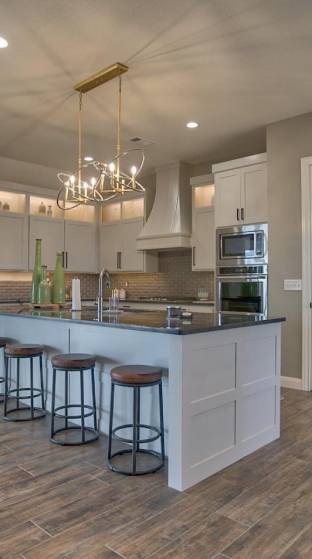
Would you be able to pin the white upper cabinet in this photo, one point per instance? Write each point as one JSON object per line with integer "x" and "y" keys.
{"x": 73, "y": 233}
{"x": 203, "y": 227}
{"x": 241, "y": 191}
{"x": 255, "y": 193}
{"x": 80, "y": 247}
{"x": 121, "y": 225}
{"x": 110, "y": 247}
{"x": 14, "y": 244}
{"x": 13, "y": 231}
{"x": 131, "y": 259}
{"x": 52, "y": 234}
{"x": 227, "y": 197}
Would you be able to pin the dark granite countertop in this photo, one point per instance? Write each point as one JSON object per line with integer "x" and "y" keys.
{"x": 150, "y": 321}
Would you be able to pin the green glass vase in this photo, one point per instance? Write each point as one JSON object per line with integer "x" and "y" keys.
{"x": 59, "y": 281}
{"x": 36, "y": 276}
{"x": 44, "y": 292}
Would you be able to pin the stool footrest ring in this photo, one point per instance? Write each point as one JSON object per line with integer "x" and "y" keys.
{"x": 74, "y": 428}
{"x": 17, "y": 419}
{"x": 59, "y": 408}
{"x": 37, "y": 392}
{"x": 137, "y": 473}
{"x": 139, "y": 426}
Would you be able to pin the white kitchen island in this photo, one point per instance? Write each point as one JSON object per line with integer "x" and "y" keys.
{"x": 221, "y": 377}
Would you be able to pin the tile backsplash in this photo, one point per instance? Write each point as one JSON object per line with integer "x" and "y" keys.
{"x": 17, "y": 287}
{"x": 174, "y": 279}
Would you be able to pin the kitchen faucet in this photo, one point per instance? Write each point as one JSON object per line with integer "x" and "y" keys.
{"x": 108, "y": 284}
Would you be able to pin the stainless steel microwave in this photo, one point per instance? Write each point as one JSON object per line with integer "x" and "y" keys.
{"x": 242, "y": 245}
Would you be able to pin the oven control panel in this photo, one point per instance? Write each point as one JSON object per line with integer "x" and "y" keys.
{"x": 242, "y": 270}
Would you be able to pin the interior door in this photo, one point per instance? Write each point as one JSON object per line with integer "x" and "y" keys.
{"x": 255, "y": 193}
{"x": 132, "y": 260}
{"x": 13, "y": 246}
{"x": 81, "y": 247}
{"x": 203, "y": 240}
{"x": 227, "y": 198}
{"x": 52, "y": 234}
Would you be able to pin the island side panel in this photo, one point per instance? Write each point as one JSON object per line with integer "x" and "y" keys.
{"x": 228, "y": 397}
{"x": 112, "y": 347}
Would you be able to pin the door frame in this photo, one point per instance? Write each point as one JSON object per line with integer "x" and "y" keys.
{"x": 306, "y": 224}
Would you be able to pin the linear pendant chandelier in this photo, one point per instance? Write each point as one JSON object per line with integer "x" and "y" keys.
{"x": 111, "y": 179}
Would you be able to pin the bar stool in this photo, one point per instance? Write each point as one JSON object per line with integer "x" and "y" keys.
{"x": 136, "y": 377}
{"x": 67, "y": 363}
{"x": 3, "y": 343}
{"x": 18, "y": 352}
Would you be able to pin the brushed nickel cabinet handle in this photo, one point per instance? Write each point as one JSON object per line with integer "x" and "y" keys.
{"x": 237, "y": 214}
{"x": 242, "y": 214}
{"x": 66, "y": 260}
{"x": 194, "y": 256}
{"x": 118, "y": 260}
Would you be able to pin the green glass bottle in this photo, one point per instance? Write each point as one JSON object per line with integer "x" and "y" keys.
{"x": 44, "y": 292}
{"x": 59, "y": 281}
{"x": 36, "y": 276}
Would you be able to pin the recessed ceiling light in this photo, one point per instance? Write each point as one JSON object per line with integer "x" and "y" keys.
{"x": 192, "y": 124}
{"x": 88, "y": 158}
{"x": 3, "y": 43}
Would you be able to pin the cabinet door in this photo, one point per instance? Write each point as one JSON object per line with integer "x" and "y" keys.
{"x": 254, "y": 193}
{"x": 227, "y": 198}
{"x": 132, "y": 260}
{"x": 52, "y": 234}
{"x": 81, "y": 247}
{"x": 13, "y": 246}
{"x": 203, "y": 240}
{"x": 110, "y": 246}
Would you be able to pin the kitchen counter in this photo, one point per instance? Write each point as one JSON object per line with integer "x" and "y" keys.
{"x": 221, "y": 384}
{"x": 151, "y": 321}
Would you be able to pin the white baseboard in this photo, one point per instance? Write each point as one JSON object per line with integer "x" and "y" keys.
{"x": 291, "y": 382}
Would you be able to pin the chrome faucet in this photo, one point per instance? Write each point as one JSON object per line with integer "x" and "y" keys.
{"x": 108, "y": 284}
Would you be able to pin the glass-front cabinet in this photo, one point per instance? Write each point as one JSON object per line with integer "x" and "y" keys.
{"x": 13, "y": 231}
{"x": 203, "y": 228}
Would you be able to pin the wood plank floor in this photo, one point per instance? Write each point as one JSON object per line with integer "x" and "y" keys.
{"x": 59, "y": 503}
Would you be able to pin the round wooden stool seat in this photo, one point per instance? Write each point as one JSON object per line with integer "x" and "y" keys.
{"x": 73, "y": 361}
{"x": 3, "y": 342}
{"x": 23, "y": 350}
{"x": 136, "y": 374}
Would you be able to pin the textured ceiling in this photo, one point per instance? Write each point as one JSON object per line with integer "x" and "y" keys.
{"x": 233, "y": 65}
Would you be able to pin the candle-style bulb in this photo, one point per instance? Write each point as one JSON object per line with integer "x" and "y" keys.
{"x": 72, "y": 179}
{"x": 111, "y": 167}
{"x": 133, "y": 170}
{"x": 93, "y": 181}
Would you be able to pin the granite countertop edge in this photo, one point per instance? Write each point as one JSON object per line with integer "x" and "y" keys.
{"x": 178, "y": 330}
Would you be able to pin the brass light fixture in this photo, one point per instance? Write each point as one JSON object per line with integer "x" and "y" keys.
{"x": 110, "y": 179}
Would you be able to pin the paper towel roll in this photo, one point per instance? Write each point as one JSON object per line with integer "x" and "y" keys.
{"x": 76, "y": 297}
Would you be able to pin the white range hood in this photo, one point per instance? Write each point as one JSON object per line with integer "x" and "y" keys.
{"x": 169, "y": 223}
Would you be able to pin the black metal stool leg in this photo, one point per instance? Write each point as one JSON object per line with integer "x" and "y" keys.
{"x": 66, "y": 398}
{"x": 41, "y": 383}
{"x": 53, "y": 402}
{"x": 6, "y": 382}
{"x": 93, "y": 399}
{"x": 32, "y": 387}
{"x": 18, "y": 383}
{"x": 83, "y": 434}
{"x": 138, "y": 418}
{"x": 135, "y": 429}
{"x": 111, "y": 416}
{"x": 161, "y": 417}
